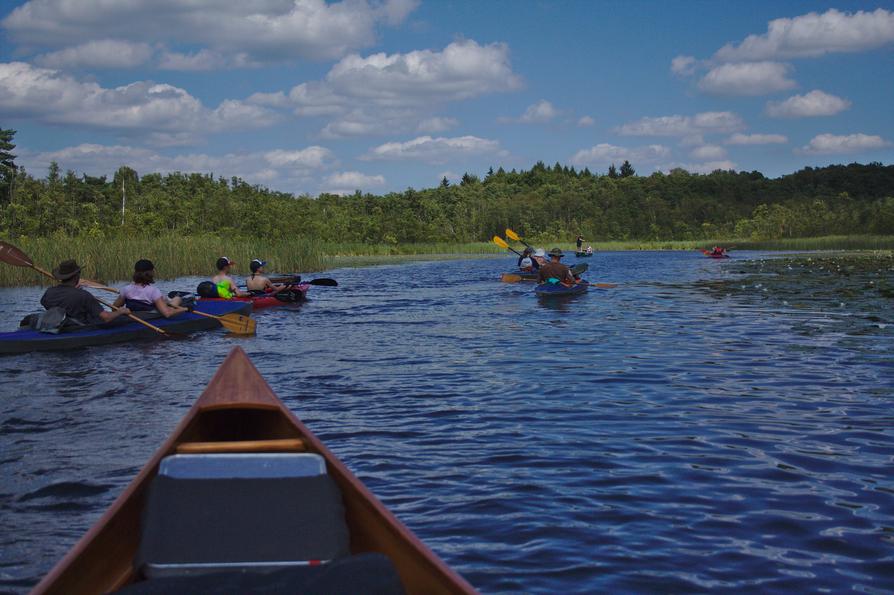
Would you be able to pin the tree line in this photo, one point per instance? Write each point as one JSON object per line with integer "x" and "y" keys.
{"x": 544, "y": 202}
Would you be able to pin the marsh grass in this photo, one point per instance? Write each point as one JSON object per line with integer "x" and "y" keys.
{"x": 112, "y": 259}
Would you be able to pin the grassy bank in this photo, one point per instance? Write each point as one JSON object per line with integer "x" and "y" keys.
{"x": 112, "y": 259}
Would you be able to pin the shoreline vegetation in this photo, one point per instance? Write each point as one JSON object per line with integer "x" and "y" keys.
{"x": 111, "y": 259}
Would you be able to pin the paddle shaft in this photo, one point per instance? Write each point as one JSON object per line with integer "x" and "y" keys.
{"x": 514, "y": 236}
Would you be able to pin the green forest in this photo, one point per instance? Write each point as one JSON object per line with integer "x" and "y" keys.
{"x": 546, "y": 203}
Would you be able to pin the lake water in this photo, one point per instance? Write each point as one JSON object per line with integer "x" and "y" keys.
{"x": 693, "y": 429}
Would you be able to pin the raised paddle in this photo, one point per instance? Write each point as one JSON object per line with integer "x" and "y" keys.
{"x": 514, "y": 236}
{"x": 238, "y": 324}
{"x": 12, "y": 255}
{"x": 502, "y": 244}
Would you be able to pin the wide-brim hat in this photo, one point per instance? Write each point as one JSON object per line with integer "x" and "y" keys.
{"x": 540, "y": 252}
{"x": 66, "y": 270}
{"x": 556, "y": 252}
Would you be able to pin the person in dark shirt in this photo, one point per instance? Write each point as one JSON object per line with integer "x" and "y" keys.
{"x": 580, "y": 243}
{"x": 554, "y": 269}
{"x": 77, "y": 303}
{"x": 526, "y": 261}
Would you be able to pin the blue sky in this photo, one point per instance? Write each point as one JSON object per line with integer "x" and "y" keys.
{"x": 307, "y": 96}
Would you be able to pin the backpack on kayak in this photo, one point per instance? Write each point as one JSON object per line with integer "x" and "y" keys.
{"x": 53, "y": 320}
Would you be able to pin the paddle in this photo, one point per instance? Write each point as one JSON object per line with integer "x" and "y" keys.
{"x": 12, "y": 255}
{"x": 514, "y": 236}
{"x": 322, "y": 281}
{"x": 238, "y": 324}
{"x": 502, "y": 244}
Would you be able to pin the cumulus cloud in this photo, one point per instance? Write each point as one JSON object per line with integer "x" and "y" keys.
{"x": 586, "y": 121}
{"x": 815, "y": 103}
{"x": 756, "y": 139}
{"x": 683, "y": 65}
{"x": 347, "y": 182}
{"x": 684, "y": 126}
{"x": 813, "y": 35}
{"x": 395, "y": 92}
{"x": 604, "y": 154}
{"x": 103, "y": 53}
{"x": 747, "y": 78}
{"x": 436, "y": 124}
{"x": 289, "y": 170}
{"x": 706, "y": 167}
{"x": 829, "y": 144}
{"x": 708, "y": 153}
{"x": 435, "y": 150}
{"x": 264, "y": 30}
{"x": 50, "y": 96}
{"x": 539, "y": 113}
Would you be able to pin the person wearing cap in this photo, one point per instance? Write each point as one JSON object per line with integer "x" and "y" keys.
{"x": 540, "y": 257}
{"x": 525, "y": 262}
{"x": 554, "y": 269}
{"x": 258, "y": 281}
{"x": 142, "y": 296}
{"x": 226, "y": 287}
{"x": 78, "y": 303}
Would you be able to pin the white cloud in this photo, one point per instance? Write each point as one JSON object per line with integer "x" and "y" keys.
{"x": 263, "y": 30}
{"x": 50, "y": 96}
{"x": 436, "y": 124}
{"x": 708, "y": 153}
{"x": 684, "y": 126}
{"x": 103, "y": 53}
{"x": 756, "y": 139}
{"x": 586, "y": 121}
{"x": 387, "y": 93}
{"x": 683, "y": 65}
{"x": 290, "y": 170}
{"x": 435, "y": 150}
{"x": 603, "y": 154}
{"x": 840, "y": 144}
{"x": 747, "y": 78}
{"x": 539, "y": 113}
{"x": 813, "y": 35}
{"x": 346, "y": 182}
{"x": 815, "y": 103}
{"x": 201, "y": 60}
{"x": 707, "y": 167}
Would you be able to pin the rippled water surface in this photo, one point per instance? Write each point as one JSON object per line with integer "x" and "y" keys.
{"x": 700, "y": 427}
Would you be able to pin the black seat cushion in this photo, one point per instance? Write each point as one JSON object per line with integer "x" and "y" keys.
{"x": 202, "y": 525}
{"x": 370, "y": 574}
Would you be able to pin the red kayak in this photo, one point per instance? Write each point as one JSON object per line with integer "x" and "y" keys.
{"x": 293, "y": 294}
{"x": 710, "y": 254}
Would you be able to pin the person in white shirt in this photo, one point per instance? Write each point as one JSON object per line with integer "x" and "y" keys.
{"x": 143, "y": 296}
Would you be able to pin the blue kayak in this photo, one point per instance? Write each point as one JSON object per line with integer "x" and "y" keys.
{"x": 121, "y": 330}
{"x": 558, "y": 290}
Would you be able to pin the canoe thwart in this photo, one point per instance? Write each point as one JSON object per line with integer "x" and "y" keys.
{"x": 281, "y": 445}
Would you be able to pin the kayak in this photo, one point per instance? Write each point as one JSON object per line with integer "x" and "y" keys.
{"x": 525, "y": 276}
{"x": 710, "y": 255}
{"x": 242, "y": 497}
{"x": 121, "y": 330}
{"x": 583, "y": 254}
{"x": 559, "y": 290}
{"x": 296, "y": 295}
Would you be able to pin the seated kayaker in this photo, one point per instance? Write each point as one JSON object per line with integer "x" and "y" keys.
{"x": 226, "y": 287}
{"x": 589, "y": 249}
{"x": 539, "y": 257}
{"x": 554, "y": 269}
{"x": 78, "y": 303}
{"x": 258, "y": 282}
{"x": 142, "y": 296}
{"x": 718, "y": 251}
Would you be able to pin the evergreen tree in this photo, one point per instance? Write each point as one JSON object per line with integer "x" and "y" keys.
{"x": 445, "y": 183}
{"x": 612, "y": 172}
{"x": 7, "y": 163}
{"x": 627, "y": 169}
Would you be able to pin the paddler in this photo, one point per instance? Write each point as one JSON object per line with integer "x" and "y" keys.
{"x": 78, "y": 303}
{"x": 580, "y": 242}
{"x": 226, "y": 287}
{"x": 143, "y": 296}
{"x": 526, "y": 261}
{"x": 258, "y": 281}
{"x": 554, "y": 269}
{"x": 540, "y": 257}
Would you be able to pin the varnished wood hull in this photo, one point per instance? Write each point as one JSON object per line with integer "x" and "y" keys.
{"x": 239, "y": 407}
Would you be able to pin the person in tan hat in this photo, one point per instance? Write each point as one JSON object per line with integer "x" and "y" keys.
{"x": 554, "y": 269}
{"x": 78, "y": 304}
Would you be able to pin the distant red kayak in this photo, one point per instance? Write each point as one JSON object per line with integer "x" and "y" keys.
{"x": 294, "y": 294}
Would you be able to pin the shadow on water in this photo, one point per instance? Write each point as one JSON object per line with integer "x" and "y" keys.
{"x": 705, "y": 425}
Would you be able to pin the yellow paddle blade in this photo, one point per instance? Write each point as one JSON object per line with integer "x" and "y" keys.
{"x": 500, "y": 242}
{"x": 510, "y": 278}
{"x": 238, "y": 324}
{"x": 512, "y": 235}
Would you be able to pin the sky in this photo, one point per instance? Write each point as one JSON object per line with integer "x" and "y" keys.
{"x": 308, "y": 96}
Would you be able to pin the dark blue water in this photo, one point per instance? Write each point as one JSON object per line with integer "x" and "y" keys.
{"x": 661, "y": 436}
